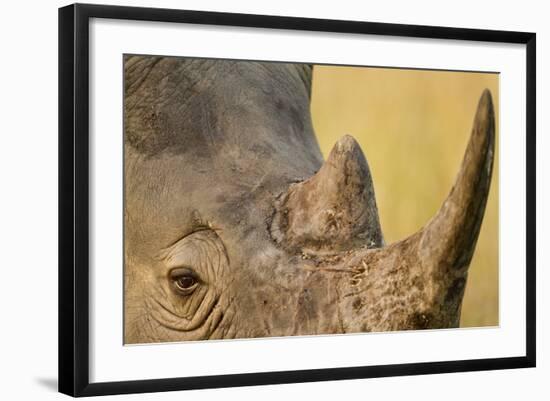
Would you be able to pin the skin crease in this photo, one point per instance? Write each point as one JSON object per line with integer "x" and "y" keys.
{"x": 226, "y": 190}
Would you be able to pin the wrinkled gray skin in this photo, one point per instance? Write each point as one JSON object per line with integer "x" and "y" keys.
{"x": 235, "y": 226}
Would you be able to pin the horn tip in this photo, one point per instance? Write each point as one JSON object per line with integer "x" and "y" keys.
{"x": 484, "y": 122}
{"x": 348, "y": 158}
{"x": 487, "y": 97}
{"x": 346, "y": 143}
{"x": 485, "y": 104}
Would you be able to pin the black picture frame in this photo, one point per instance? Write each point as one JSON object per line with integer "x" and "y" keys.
{"x": 74, "y": 198}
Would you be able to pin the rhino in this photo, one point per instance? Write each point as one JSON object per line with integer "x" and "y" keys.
{"x": 235, "y": 226}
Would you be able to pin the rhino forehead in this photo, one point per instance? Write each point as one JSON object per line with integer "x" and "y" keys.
{"x": 205, "y": 107}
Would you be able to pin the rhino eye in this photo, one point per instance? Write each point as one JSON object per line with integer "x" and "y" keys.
{"x": 184, "y": 280}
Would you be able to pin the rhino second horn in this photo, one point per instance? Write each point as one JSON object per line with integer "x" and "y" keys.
{"x": 334, "y": 210}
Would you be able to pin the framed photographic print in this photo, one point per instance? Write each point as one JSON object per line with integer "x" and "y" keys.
{"x": 249, "y": 199}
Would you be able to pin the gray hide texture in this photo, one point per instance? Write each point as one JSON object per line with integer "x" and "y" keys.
{"x": 235, "y": 226}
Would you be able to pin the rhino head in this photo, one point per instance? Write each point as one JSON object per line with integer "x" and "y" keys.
{"x": 235, "y": 226}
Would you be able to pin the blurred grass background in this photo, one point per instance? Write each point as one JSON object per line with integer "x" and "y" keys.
{"x": 413, "y": 126}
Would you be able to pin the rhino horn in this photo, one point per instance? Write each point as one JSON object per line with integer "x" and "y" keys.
{"x": 441, "y": 251}
{"x": 450, "y": 237}
{"x": 335, "y": 209}
{"x": 439, "y": 254}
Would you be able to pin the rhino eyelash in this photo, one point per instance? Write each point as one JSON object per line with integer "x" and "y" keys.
{"x": 184, "y": 280}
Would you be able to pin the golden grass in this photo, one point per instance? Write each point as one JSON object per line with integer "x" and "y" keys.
{"x": 413, "y": 127}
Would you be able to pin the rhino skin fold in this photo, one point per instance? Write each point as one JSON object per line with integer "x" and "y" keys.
{"x": 235, "y": 227}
